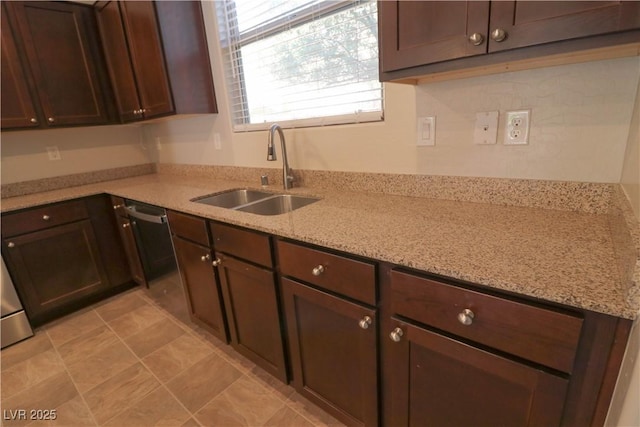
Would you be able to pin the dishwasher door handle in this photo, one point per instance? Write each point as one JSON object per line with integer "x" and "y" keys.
{"x": 157, "y": 219}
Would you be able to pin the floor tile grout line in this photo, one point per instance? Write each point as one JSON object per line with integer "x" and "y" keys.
{"x": 75, "y": 385}
{"x": 162, "y": 383}
{"x": 151, "y": 302}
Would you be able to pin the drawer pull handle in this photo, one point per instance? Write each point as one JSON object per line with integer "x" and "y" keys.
{"x": 318, "y": 270}
{"x": 116, "y": 207}
{"x": 466, "y": 317}
{"x": 365, "y": 322}
{"x": 46, "y": 217}
{"x": 11, "y": 245}
{"x": 216, "y": 262}
{"x": 396, "y": 335}
{"x": 206, "y": 257}
{"x": 126, "y": 224}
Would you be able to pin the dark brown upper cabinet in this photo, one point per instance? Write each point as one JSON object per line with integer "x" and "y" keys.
{"x": 157, "y": 57}
{"x": 18, "y": 109}
{"x": 419, "y": 38}
{"x": 51, "y": 66}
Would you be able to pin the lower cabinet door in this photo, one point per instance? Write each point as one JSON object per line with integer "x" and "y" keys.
{"x": 333, "y": 352}
{"x": 438, "y": 381}
{"x": 55, "y": 268}
{"x": 251, "y": 303}
{"x": 131, "y": 250}
{"x": 201, "y": 289}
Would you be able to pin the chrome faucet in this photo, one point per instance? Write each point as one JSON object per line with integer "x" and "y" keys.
{"x": 287, "y": 176}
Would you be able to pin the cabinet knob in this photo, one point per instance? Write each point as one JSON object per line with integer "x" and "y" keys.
{"x": 396, "y": 335}
{"x": 466, "y": 317}
{"x": 318, "y": 270}
{"x": 476, "y": 39}
{"x": 498, "y": 35}
{"x": 126, "y": 224}
{"x": 33, "y": 120}
{"x": 51, "y": 120}
{"x": 11, "y": 245}
{"x": 116, "y": 207}
{"x": 365, "y": 322}
{"x": 206, "y": 257}
{"x": 216, "y": 262}
{"x": 46, "y": 217}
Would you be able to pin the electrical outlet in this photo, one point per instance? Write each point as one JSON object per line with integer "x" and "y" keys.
{"x": 53, "y": 153}
{"x": 516, "y": 130}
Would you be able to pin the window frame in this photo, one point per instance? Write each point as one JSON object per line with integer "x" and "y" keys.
{"x": 232, "y": 43}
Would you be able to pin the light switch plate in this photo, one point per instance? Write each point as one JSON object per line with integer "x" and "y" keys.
{"x": 426, "y": 131}
{"x": 486, "y": 128}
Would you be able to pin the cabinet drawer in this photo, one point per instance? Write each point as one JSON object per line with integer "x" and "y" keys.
{"x": 246, "y": 244}
{"x": 190, "y": 227}
{"x": 43, "y": 217}
{"x": 538, "y": 334}
{"x": 346, "y": 276}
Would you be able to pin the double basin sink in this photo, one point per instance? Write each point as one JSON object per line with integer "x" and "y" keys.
{"x": 256, "y": 201}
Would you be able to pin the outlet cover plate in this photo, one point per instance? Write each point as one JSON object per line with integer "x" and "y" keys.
{"x": 516, "y": 128}
{"x": 486, "y": 128}
{"x": 53, "y": 153}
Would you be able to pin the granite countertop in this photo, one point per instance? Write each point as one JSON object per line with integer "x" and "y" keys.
{"x": 560, "y": 256}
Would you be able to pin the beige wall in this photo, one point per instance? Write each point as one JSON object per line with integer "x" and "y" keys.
{"x": 24, "y": 156}
{"x": 631, "y": 167}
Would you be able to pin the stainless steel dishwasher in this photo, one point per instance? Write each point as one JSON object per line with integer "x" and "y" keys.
{"x": 153, "y": 238}
{"x": 15, "y": 325}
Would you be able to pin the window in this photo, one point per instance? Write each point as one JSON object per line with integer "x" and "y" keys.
{"x": 300, "y": 62}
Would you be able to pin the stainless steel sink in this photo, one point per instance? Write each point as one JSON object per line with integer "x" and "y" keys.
{"x": 256, "y": 201}
{"x": 232, "y": 198}
{"x": 279, "y": 204}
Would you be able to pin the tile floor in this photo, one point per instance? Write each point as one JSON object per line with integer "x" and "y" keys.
{"x": 137, "y": 360}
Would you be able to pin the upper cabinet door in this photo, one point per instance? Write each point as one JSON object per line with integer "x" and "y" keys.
{"x": 422, "y": 32}
{"x": 147, "y": 57}
{"x": 158, "y": 58}
{"x": 527, "y": 23}
{"x": 114, "y": 42}
{"x": 62, "y": 53}
{"x": 136, "y": 62}
{"x": 18, "y": 110}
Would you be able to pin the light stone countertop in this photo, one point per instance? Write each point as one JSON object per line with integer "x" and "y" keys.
{"x": 560, "y": 256}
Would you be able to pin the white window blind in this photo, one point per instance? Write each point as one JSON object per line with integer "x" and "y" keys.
{"x": 300, "y": 62}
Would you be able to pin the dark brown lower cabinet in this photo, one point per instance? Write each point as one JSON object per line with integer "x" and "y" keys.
{"x": 251, "y": 302}
{"x": 201, "y": 289}
{"x": 439, "y": 381}
{"x": 55, "y": 267}
{"x": 333, "y": 349}
{"x": 64, "y": 256}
